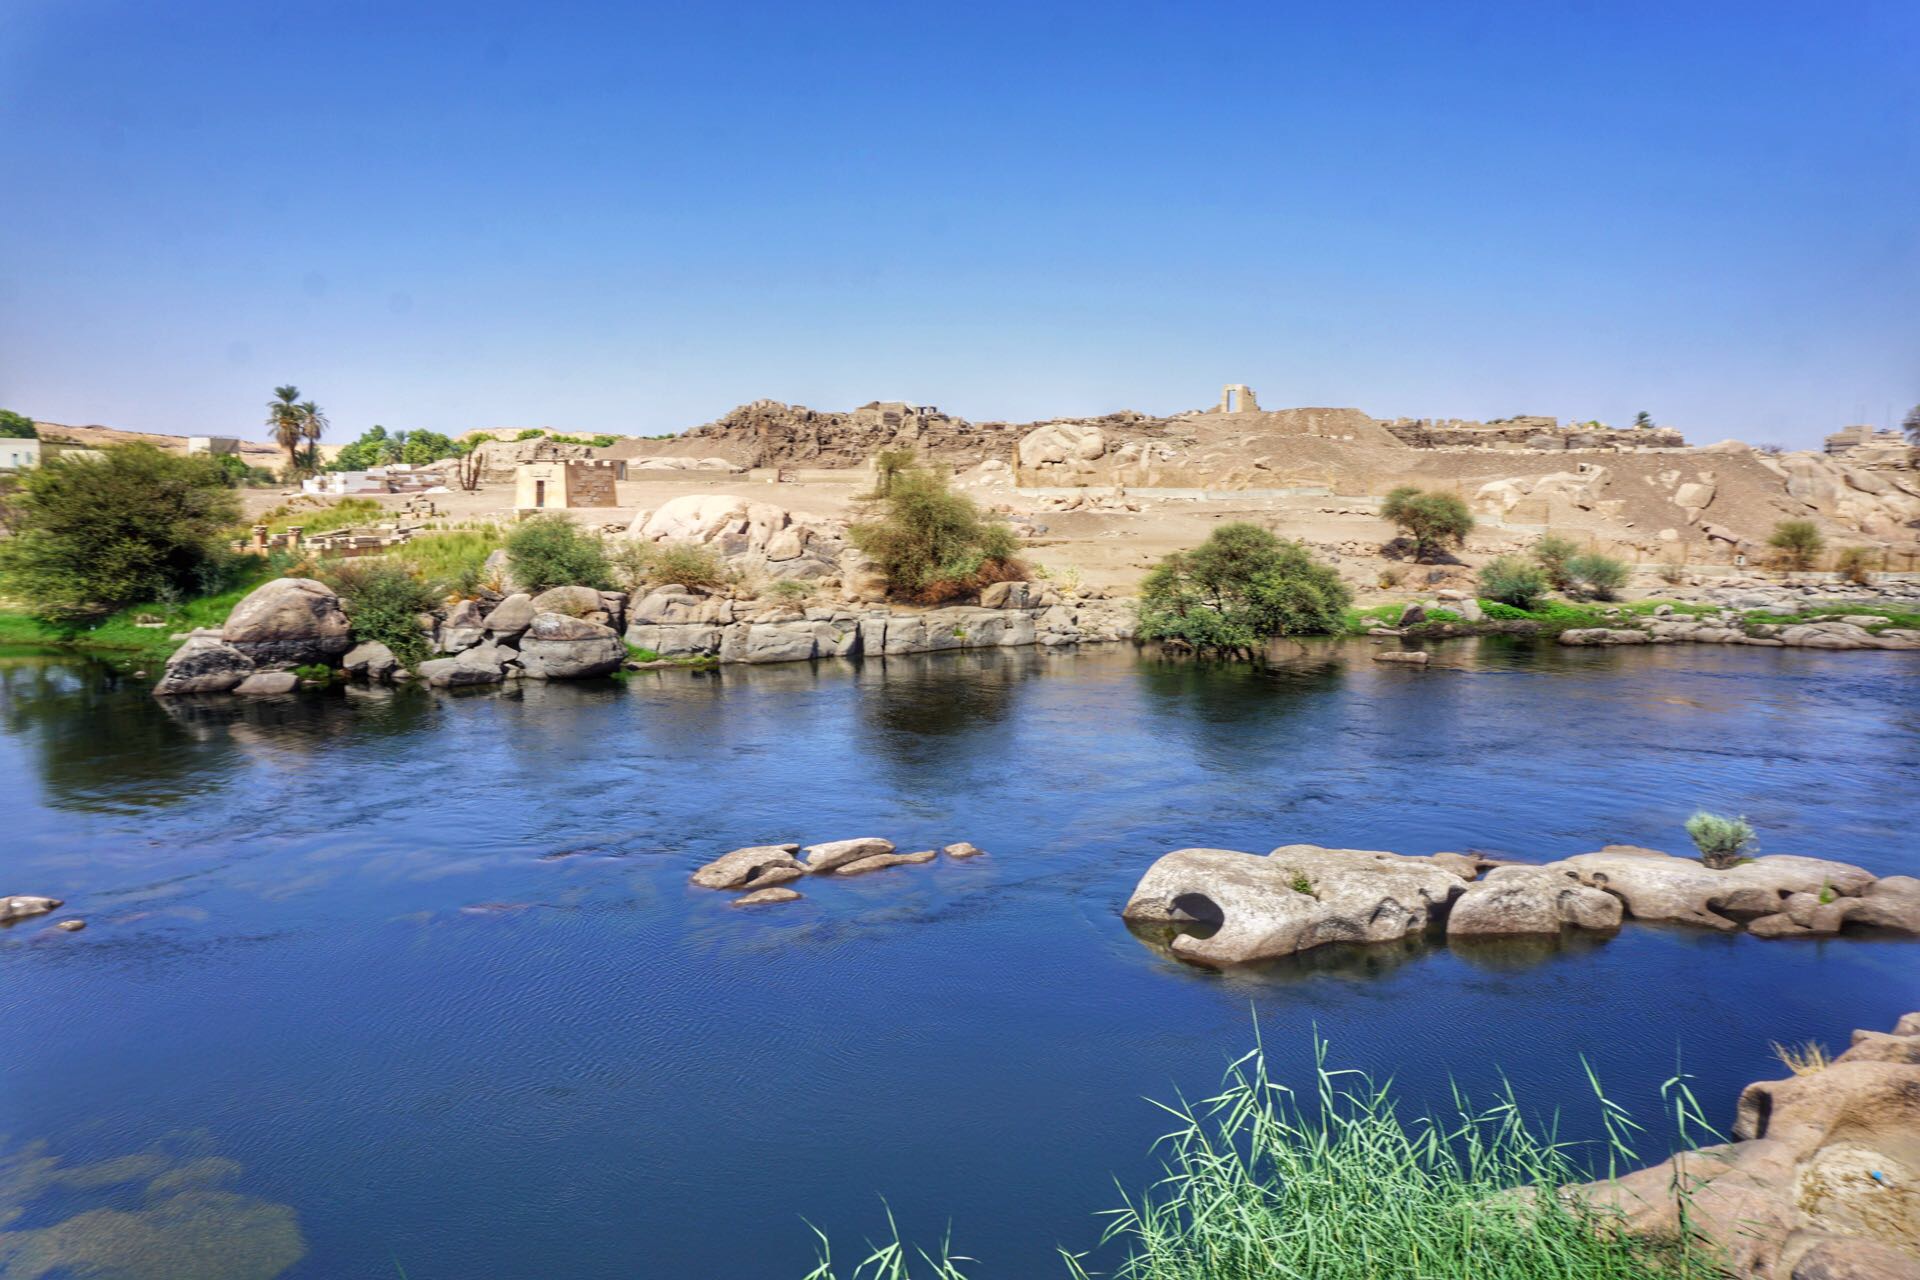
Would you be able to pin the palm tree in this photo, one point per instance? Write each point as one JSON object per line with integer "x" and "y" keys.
{"x": 1643, "y": 419}
{"x": 289, "y": 428}
{"x": 312, "y": 424}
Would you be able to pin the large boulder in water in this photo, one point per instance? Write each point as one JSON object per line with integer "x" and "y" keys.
{"x": 758, "y": 866}
{"x": 204, "y": 664}
{"x": 1296, "y": 898}
{"x": 1659, "y": 886}
{"x": 556, "y": 647}
{"x": 1514, "y": 902}
{"x": 289, "y": 622}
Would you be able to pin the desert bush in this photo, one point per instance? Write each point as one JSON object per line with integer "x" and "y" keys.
{"x": 552, "y": 551}
{"x": 634, "y": 564}
{"x": 930, "y": 542}
{"x": 1553, "y": 552}
{"x": 1798, "y": 543}
{"x": 1391, "y": 576}
{"x": 792, "y": 590}
{"x": 134, "y": 524}
{"x": 1802, "y": 1059}
{"x": 1595, "y": 576}
{"x": 1722, "y": 841}
{"x": 1511, "y": 580}
{"x": 1236, "y": 589}
{"x": 1855, "y": 564}
{"x": 1433, "y": 520}
{"x": 1672, "y": 572}
{"x": 383, "y": 599}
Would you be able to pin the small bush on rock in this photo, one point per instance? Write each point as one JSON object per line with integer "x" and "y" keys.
{"x": 1798, "y": 542}
{"x": 384, "y": 599}
{"x": 1433, "y": 520}
{"x": 1595, "y": 576}
{"x": 1722, "y": 842}
{"x": 1513, "y": 581}
{"x": 931, "y": 543}
{"x": 552, "y": 551}
{"x": 1855, "y": 564}
{"x": 1237, "y": 589}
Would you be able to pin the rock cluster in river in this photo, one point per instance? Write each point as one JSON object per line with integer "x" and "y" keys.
{"x": 1820, "y": 631}
{"x": 1303, "y": 896}
{"x": 1822, "y": 1181}
{"x": 762, "y": 870}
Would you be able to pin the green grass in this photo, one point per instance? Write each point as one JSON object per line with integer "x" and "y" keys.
{"x": 452, "y": 556}
{"x": 1262, "y": 1184}
{"x": 118, "y": 634}
{"x": 340, "y": 514}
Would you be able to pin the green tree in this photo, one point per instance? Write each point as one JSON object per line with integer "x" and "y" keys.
{"x": 17, "y": 426}
{"x": 1433, "y": 520}
{"x": 1237, "y": 589}
{"x": 1911, "y": 425}
{"x": 423, "y": 447}
{"x": 283, "y": 418}
{"x": 1513, "y": 580}
{"x": 313, "y": 424}
{"x": 93, "y": 534}
{"x": 931, "y": 542}
{"x": 1798, "y": 542}
{"x": 1643, "y": 420}
{"x": 1596, "y": 576}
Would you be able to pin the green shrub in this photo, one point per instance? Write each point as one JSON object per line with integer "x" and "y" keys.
{"x": 931, "y": 543}
{"x": 134, "y": 524}
{"x": 1237, "y": 589}
{"x": 455, "y": 558}
{"x": 1553, "y": 552}
{"x": 1433, "y": 520}
{"x": 792, "y": 590}
{"x": 552, "y": 551}
{"x": 1855, "y": 564}
{"x": 1511, "y": 580}
{"x": 1596, "y": 576}
{"x": 383, "y": 600}
{"x": 688, "y": 563}
{"x": 1798, "y": 542}
{"x": 1722, "y": 841}
{"x": 17, "y": 426}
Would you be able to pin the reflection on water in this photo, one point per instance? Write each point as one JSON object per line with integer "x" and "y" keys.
{"x": 168, "y": 1213}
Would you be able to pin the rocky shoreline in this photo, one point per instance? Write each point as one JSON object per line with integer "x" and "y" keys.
{"x": 1237, "y": 908}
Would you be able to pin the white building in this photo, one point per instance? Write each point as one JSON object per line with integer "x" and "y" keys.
{"x": 19, "y": 455}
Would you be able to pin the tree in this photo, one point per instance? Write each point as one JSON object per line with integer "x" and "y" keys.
{"x": 1432, "y": 520}
{"x": 17, "y": 426}
{"x": 312, "y": 424}
{"x": 135, "y": 524}
{"x": 423, "y": 447}
{"x": 1643, "y": 420}
{"x": 1911, "y": 425}
{"x": 1798, "y": 542}
{"x": 1553, "y": 552}
{"x": 283, "y": 417}
{"x": 1596, "y": 576}
{"x": 1240, "y": 587}
{"x": 930, "y": 542}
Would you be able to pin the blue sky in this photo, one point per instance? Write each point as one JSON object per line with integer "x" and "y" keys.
{"x": 631, "y": 218}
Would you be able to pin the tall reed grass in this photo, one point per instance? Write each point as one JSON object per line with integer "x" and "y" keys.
{"x": 1261, "y": 1184}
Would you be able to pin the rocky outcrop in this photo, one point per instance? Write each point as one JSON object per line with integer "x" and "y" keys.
{"x": 558, "y": 647}
{"x": 1849, "y": 632}
{"x": 1822, "y": 1181}
{"x": 204, "y": 664}
{"x": 1295, "y": 898}
{"x": 1515, "y": 901}
{"x": 513, "y": 615}
{"x": 835, "y": 854}
{"x": 372, "y": 659}
{"x": 262, "y": 684}
{"x": 881, "y": 861}
{"x": 755, "y": 538}
{"x": 759, "y": 866}
{"x": 289, "y": 622}
{"x": 1780, "y": 895}
{"x": 24, "y": 906}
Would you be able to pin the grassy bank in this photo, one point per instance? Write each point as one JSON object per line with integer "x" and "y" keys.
{"x": 1261, "y": 1183}
{"x": 141, "y": 633}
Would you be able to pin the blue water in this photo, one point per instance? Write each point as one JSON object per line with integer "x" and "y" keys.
{"x": 376, "y": 979}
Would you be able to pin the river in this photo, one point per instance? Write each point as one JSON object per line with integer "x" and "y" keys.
{"x": 377, "y": 981}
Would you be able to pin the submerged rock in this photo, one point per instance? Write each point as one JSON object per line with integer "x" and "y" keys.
{"x": 1410, "y": 657}
{"x": 757, "y": 866}
{"x": 1298, "y": 897}
{"x": 71, "y": 926}
{"x": 881, "y": 861}
{"x": 963, "y": 850}
{"x": 262, "y": 684}
{"x": 762, "y": 897}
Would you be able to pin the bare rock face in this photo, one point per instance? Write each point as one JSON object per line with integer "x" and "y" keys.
{"x": 574, "y": 602}
{"x": 289, "y": 621}
{"x": 1298, "y": 897}
{"x": 264, "y": 684}
{"x": 835, "y": 854}
{"x": 1061, "y": 444}
{"x": 1892, "y": 902}
{"x": 204, "y": 664}
{"x": 510, "y": 617}
{"x": 1518, "y": 901}
{"x": 1820, "y": 1182}
{"x": 758, "y": 866}
{"x": 557, "y": 647}
{"x": 463, "y": 628}
{"x": 1659, "y": 886}
{"x": 373, "y": 660}
{"x": 22, "y": 906}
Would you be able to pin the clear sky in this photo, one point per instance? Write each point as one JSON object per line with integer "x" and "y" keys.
{"x": 631, "y": 218}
